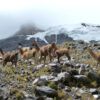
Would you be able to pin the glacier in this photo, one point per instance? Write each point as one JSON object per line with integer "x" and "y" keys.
{"x": 85, "y": 32}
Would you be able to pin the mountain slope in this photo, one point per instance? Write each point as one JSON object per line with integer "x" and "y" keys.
{"x": 81, "y": 31}
{"x": 58, "y": 34}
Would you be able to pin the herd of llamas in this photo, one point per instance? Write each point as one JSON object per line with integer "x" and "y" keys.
{"x": 49, "y": 50}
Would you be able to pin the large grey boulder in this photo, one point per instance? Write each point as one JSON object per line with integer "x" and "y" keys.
{"x": 93, "y": 75}
{"x": 45, "y": 90}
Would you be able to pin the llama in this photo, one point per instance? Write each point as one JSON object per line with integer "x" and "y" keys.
{"x": 51, "y": 48}
{"x": 63, "y": 51}
{"x": 9, "y": 57}
{"x": 42, "y": 51}
{"x": 95, "y": 55}
{"x": 25, "y": 55}
{"x": 46, "y": 50}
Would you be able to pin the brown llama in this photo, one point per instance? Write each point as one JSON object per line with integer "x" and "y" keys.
{"x": 9, "y": 57}
{"x": 46, "y": 50}
{"x": 63, "y": 51}
{"x": 51, "y": 48}
{"x": 27, "y": 54}
{"x": 95, "y": 55}
{"x": 42, "y": 51}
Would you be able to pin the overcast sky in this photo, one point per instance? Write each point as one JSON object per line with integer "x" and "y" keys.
{"x": 46, "y": 13}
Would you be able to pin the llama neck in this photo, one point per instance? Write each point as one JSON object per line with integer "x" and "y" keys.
{"x": 93, "y": 54}
{"x": 21, "y": 51}
{"x": 37, "y": 47}
{"x": 2, "y": 52}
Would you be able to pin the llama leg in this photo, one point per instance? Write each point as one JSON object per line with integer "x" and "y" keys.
{"x": 35, "y": 58}
{"x": 15, "y": 62}
{"x": 58, "y": 59}
{"x": 68, "y": 56}
{"x": 44, "y": 59}
{"x": 40, "y": 58}
{"x": 97, "y": 63}
{"x": 4, "y": 63}
{"x": 50, "y": 57}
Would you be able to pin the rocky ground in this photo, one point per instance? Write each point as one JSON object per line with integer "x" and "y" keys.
{"x": 78, "y": 79}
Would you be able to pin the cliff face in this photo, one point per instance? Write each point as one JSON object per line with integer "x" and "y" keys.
{"x": 11, "y": 43}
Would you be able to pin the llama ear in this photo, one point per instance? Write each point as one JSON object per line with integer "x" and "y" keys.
{"x": 19, "y": 45}
{"x": 68, "y": 48}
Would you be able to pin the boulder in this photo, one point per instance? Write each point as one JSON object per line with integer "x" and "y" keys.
{"x": 93, "y": 75}
{"x": 93, "y": 91}
{"x": 64, "y": 76}
{"x": 40, "y": 82}
{"x": 45, "y": 90}
{"x": 81, "y": 79}
{"x": 96, "y": 96}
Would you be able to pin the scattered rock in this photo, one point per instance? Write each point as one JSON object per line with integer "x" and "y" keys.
{"x": 67, "y": 89}
{"x": 82, "y": 70}
{"x": 40, "y": 82}
{"x": 93, "y": 75}
{"x": 73, "y": 72}
{"x": 93, "y": 91}
{"x": 81, "y": 79}
{"x": 45, "y": 90}
{"x": 64, "y": 76}
{"x": 49, "y": 98}
{"x": 68, "y": 63}
{"x": 96, "y": 96}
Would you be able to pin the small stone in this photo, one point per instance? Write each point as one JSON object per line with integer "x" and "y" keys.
{"x": 96, "y": 96}
{"x": 49, "y": 98}
{"x": 93, "y": 91}
{"x": 67, "y": 89}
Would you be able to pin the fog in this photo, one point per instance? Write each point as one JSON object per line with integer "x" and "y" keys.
{"x": 46, "y": 13}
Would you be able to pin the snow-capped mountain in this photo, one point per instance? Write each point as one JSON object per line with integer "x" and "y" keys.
{"x": 58, "y": 34}
{"x": 81, "y": 31}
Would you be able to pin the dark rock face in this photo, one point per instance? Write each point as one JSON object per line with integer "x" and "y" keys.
{"x": 11, "y": 43}
{"x": 60, "y": 38}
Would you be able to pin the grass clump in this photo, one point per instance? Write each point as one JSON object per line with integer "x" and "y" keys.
{"x": 94, "y": 84}
{"x": 53, "y": 85}
{"x": 7, "y": 79}
{"x": 61, "y": 95}
{"x": 19, "y": 95}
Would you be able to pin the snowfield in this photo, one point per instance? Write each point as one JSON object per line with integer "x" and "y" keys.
{"x": 77, "y": 32}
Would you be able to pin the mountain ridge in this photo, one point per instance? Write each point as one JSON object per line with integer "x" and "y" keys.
{"x": 58, "y": 34}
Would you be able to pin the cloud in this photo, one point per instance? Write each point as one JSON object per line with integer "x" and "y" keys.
{"x": 46, "y": 13}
